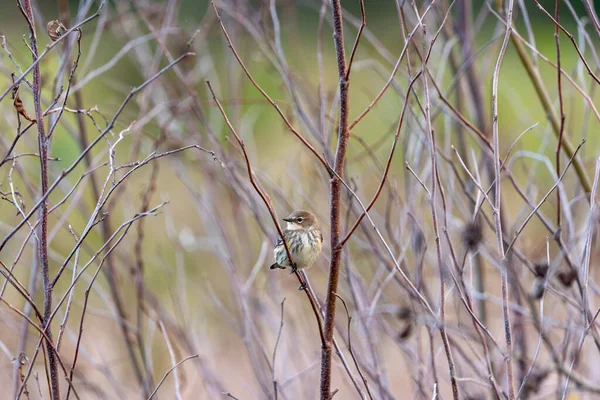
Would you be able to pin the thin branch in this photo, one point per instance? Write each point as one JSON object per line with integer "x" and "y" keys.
{"x": 266, "y": 200}
{"x": 168, "y": 372}
{"x": 547, "y": 103}
{"x": 83, "y": 154}
{"x": 388, "y": 164}
{"x": 561, "y": 107}
{"x": 43, "y": 145}
{"x": 363, "y": 24}
{"x": 497, "y": 200}
{"x": 394, "y": 71}
{"x": 50, "y": 47}
{"x": 265, "y": 95}
{"x": 413, "y": 173}
{"x": 537, "y": 207}
{"x": 350, "y": 347}
{"x": 557, "y": 24}
{"x": 273, "y": 378}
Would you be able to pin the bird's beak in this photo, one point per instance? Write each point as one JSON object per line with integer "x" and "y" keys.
{"x": 287, "y": 219}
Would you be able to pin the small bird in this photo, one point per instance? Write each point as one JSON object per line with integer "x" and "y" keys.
{"x": 304, "y": 239}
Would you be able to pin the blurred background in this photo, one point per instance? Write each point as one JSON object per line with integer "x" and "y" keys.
{"x": 161, "y": 250}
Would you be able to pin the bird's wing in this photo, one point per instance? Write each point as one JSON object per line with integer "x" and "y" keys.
{"x": 279, "y": 240}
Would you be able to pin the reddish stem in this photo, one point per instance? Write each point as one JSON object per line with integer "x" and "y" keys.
{"x": 336, "y": 186}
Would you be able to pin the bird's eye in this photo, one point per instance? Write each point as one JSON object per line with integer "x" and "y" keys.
{"x": 300, "y": 219}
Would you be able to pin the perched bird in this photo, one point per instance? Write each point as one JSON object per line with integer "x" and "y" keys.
{"x": 304, "y": 239}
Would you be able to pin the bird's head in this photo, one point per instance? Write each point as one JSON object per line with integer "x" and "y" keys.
{"x": 302, "y": 220}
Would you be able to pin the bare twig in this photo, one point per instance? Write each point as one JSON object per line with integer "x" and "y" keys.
{"x": 335, "y": 201}
{"x": 168, "y": 372}
{"x": 265, "y": 95}
{"x": 560, "y": 105}
{"x": 267, "y": 203}
{"x": 50, "y": 47}
{"x": 43, "y": 144}
{"x": 273, "y": 378}
{"x": 363, "y": 23}
{"x": 557, "y": 24}
{"x": 82, "y": 155}
{"x": 388, "y": 164}
{"x": 543, "y": 200}
{"x": 497, "y": 199}
{"x": 546, "y": 101}
{"x": 350, "y": 347}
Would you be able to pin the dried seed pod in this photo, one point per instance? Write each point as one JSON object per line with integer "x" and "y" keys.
{"x": 417, "y": 238}
{"x": 472, "y": 235}
{"x": 538, "y": 289}
{"x": 404, "y": 313}
{"x": 405, "y": 333}
{"x": 540, "y": 270}
{"x": 55, "y": 29}
{"x": 21, "y": 110}
{"x": 567, "y": 277}
{"x": 23, "y": 361}
{"x": 18, "y": 104}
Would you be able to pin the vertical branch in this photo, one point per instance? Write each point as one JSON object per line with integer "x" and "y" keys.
{"x": 335, "y": 202}
{"x": 435, "y": 178}
{"x": 497, "y": 198}
{"x": 273, "y": 378}
{"x": 561, "y": 105}
{"x": 43, "y": 235}
{"x": 465, "y": 35}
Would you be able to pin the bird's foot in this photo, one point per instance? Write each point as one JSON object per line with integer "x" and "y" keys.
{"x": 302, "y": 287}
{"x": 294, "y": 269}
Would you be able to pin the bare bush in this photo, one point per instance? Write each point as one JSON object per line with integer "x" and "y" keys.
{"x": 449, "y": 149}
